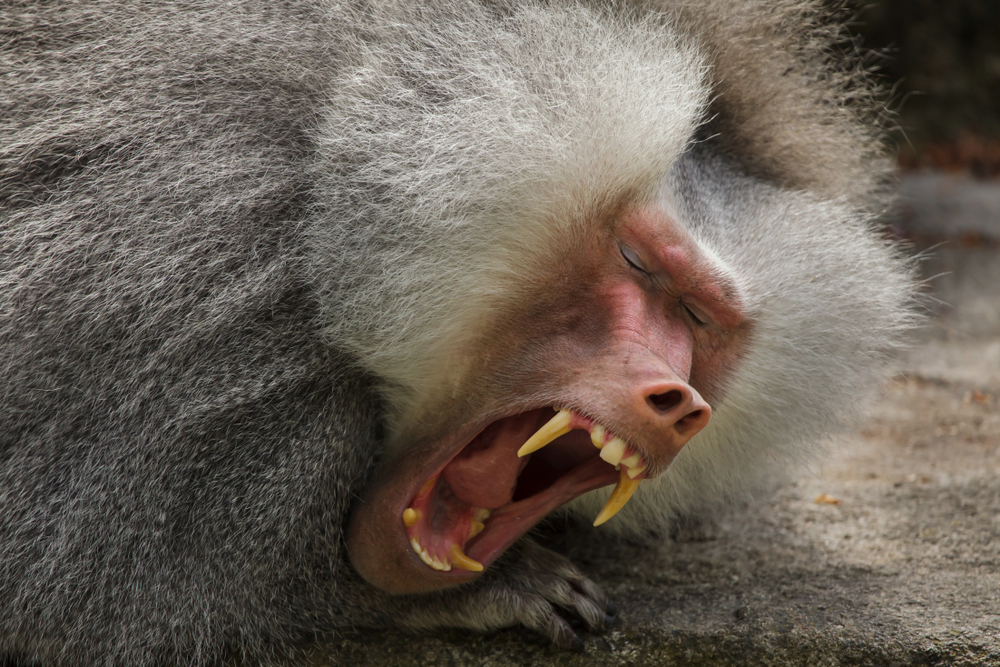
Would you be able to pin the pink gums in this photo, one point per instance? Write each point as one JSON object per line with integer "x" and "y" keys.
{"x": 444, "y": 519}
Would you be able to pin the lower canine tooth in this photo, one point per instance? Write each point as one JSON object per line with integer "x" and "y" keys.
{"x": 460, "y": 560}
{"x": 613, "y": 451}
{"x": 552, "y": 429}
{"x": 623, "y": 491}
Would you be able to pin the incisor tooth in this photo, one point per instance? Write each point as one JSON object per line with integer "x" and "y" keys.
{"x": 635, "y": 472}
{"x": 555, "y": 427}
{"x": 411, "y": 516}
{"x": 631, "y": 461}
{"x": 460, "y": 560}
{"x": 613, "y": 451}
{"x": 623, "y": 491}
{"x": 597, "y": 436}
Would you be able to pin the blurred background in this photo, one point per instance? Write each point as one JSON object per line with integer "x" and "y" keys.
{"x": 941, "y": 59}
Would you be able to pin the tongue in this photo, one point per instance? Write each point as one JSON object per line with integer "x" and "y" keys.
{"x": 484, "y": 474}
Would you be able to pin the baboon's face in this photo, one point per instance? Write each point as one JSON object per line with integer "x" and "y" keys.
{"x": 600, "y": 376}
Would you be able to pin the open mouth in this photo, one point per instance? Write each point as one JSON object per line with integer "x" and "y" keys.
{"x": 507, "y": 478}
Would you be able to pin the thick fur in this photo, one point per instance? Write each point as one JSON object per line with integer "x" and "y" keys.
{"x": 241, "y": 245}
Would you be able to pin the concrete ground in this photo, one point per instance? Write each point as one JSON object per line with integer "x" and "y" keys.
{"x": 888, "y": 554}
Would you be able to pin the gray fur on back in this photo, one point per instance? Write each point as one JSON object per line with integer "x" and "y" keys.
{"x": 185, "y": 423}
{"x": 177, "y": 447}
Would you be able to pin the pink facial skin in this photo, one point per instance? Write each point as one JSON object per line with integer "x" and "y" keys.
{"x": 636, "y": 331}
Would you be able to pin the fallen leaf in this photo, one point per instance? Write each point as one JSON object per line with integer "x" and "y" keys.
{"x": 826, "y": 499}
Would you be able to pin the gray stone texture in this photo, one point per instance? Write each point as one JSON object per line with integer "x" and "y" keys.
{"x": 950, "y": 206}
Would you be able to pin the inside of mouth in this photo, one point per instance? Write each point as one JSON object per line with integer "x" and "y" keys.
{"x": 486, "y": 496}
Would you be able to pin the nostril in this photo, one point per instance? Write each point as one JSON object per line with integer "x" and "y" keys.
{"x": 693, "y": 420}
{"x": 666, "y": 401}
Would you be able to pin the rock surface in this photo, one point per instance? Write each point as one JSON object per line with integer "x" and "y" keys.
{"x": 888, "y": 554}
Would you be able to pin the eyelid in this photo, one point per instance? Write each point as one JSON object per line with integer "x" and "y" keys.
{"x": 696, "y": 313}
{"x": 632, "y": 258}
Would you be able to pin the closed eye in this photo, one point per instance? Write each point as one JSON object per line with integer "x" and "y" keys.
{"x": 696, "y": 314}
{"x": 633, "y": 259}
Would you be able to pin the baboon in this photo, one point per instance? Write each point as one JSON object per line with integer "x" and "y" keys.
{"x": 310, "y": 310}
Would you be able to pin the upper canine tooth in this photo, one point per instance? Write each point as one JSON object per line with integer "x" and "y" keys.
{"x": 613, "y": 451}
{"x": 597, "y": 436}
{"x": 623, "y": 491}
{"x": 555, "y": 427}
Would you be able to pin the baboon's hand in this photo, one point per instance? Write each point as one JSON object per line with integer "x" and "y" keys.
{"x": 525, "y": 588}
